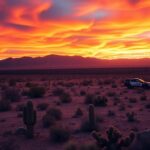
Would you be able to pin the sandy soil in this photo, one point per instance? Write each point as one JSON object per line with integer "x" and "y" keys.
{"x": 109, "y": 86}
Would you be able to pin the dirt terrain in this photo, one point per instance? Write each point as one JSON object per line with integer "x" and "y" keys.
{"x": 119, "y": 101}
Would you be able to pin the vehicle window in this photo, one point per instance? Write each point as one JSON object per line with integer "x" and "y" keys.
{"x": 134, "y": 80}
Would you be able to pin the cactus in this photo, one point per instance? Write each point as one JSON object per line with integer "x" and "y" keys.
{"x": 114, "y": 140}
{"x": 92, "y": 120}
{"x": 29, "y": 118}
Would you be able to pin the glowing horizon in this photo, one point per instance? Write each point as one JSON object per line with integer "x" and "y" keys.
{"x": 88, "y": 28}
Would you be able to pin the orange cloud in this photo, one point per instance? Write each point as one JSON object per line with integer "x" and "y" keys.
{"x": 96, "y": 28}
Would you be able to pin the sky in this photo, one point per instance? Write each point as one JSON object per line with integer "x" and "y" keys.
{"x": 105, "y": 29}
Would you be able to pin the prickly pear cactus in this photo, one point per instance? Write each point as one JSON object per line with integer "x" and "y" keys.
{"x": 114, "y": 140}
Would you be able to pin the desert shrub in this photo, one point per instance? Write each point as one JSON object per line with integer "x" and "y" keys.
{"x": 58, "y": 92}
{"x": 131, "y": 116}
{"x": 48, "y": 121}
{"x": 99, "y": 119}
{"x": 3, "y": 120}
{"x": 111, "y": 113}
{"x": 111, "y": 94}
{"x": 59, "y": 134}
{"x": 52, "y": 115}
{"x": 135, "y": 129}
{"x": 122, "y": 107}
{"x": 143, "y": 98}
{"x": 5, "y": 105}
{"x": 24, "y": 92}
{"x": 9, "y": 144}
{"x": 78, "y": 112}
{"x": 55, "y": 112}
{"x": 20, "y": 115}
{"x": 89, "y": 147}
{"x": 147, "y": 106}
{"x": 20, "y": 107}
{"x": 96, "y": 100}
{"x": 82, "y": 93}
{"x": 86, "y": 82}
{"x": 71, "y": 146}
{"x": 100, "y": 101}
{"x": 7, "y": 133}
{"x": 85, "y": 126}
{"x": 12, "y": 82}
{"x": 132, "y": 100}
{"x": 58, "y": 103}
{"x": 65, "y": 98}
{"x": 11, "y": 94}
{"x": 114, "y": 86}
{"x": 69, "y": 85}
{"x": 116, "y": 101}
{"x": 42, "y": 106}
{"x": 75, "y": 146}
{"x": 108, "y": 81}
{"x": 89, "y": 98}
{"x": 36, "y": 92}
{"x": 30, "y": 84}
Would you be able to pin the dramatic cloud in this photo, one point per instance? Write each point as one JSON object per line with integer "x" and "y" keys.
{"x": 97, "y": 28}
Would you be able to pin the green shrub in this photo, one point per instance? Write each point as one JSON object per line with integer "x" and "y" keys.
{"x": 71, "y": 146}
{"x": 89, "y": 147}
{"x": 78, "y": 113}
{"x": 147, "y": 106}
{"x": 111, "y": 113}
{"x": 5, "y": 105}
{"x": 36, "y": 92}
{"x": 9, "y": 144}
{"x": 12, "y": 82}
{"x": 89, "y": 98}
{"x": 20, "y": 107}
{"x": 131, "y": 116}
{"x": 132, "y": 100}
{"x": 48, "y": 121}
{"x": 11, "y": 94}
{"x": 59, "y": 134}
{"x": 111, "y": 94}
{"x": 122, "y": 107}
{"x": 86, "y": 82}
{"x": 82, "y": 93}
{"x": 65, "y": 98}
{"x": 58, "y": 92}
{"x": 100, "y": 101}
{"x": 42, "y": 106}
{"x": 51, "y": 116}
{"x": 96, "y": 100}
{"x": 143, "y": 98}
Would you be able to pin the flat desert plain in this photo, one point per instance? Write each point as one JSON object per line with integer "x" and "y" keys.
{"x": 62, "y": 105}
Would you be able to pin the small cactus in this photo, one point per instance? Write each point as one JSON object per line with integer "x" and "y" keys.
{"x": 29, "y": 118}
{"x": 92, "y": 120}
{"x": 114, "y": 140}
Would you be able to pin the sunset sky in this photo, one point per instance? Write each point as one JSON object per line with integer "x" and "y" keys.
{"x": 107, "y": 29}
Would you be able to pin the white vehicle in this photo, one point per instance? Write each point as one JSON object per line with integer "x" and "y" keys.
{"x": 136, "y": 82}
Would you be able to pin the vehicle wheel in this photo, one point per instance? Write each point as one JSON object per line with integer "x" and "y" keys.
{"x": 145, "y": 86}
{"x": 130, "y": 87}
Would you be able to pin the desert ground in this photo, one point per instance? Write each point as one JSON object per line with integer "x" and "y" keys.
{"x": 68, "y": 97}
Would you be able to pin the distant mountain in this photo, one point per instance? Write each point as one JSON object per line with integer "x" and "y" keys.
{"x": 55, "y": 61}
